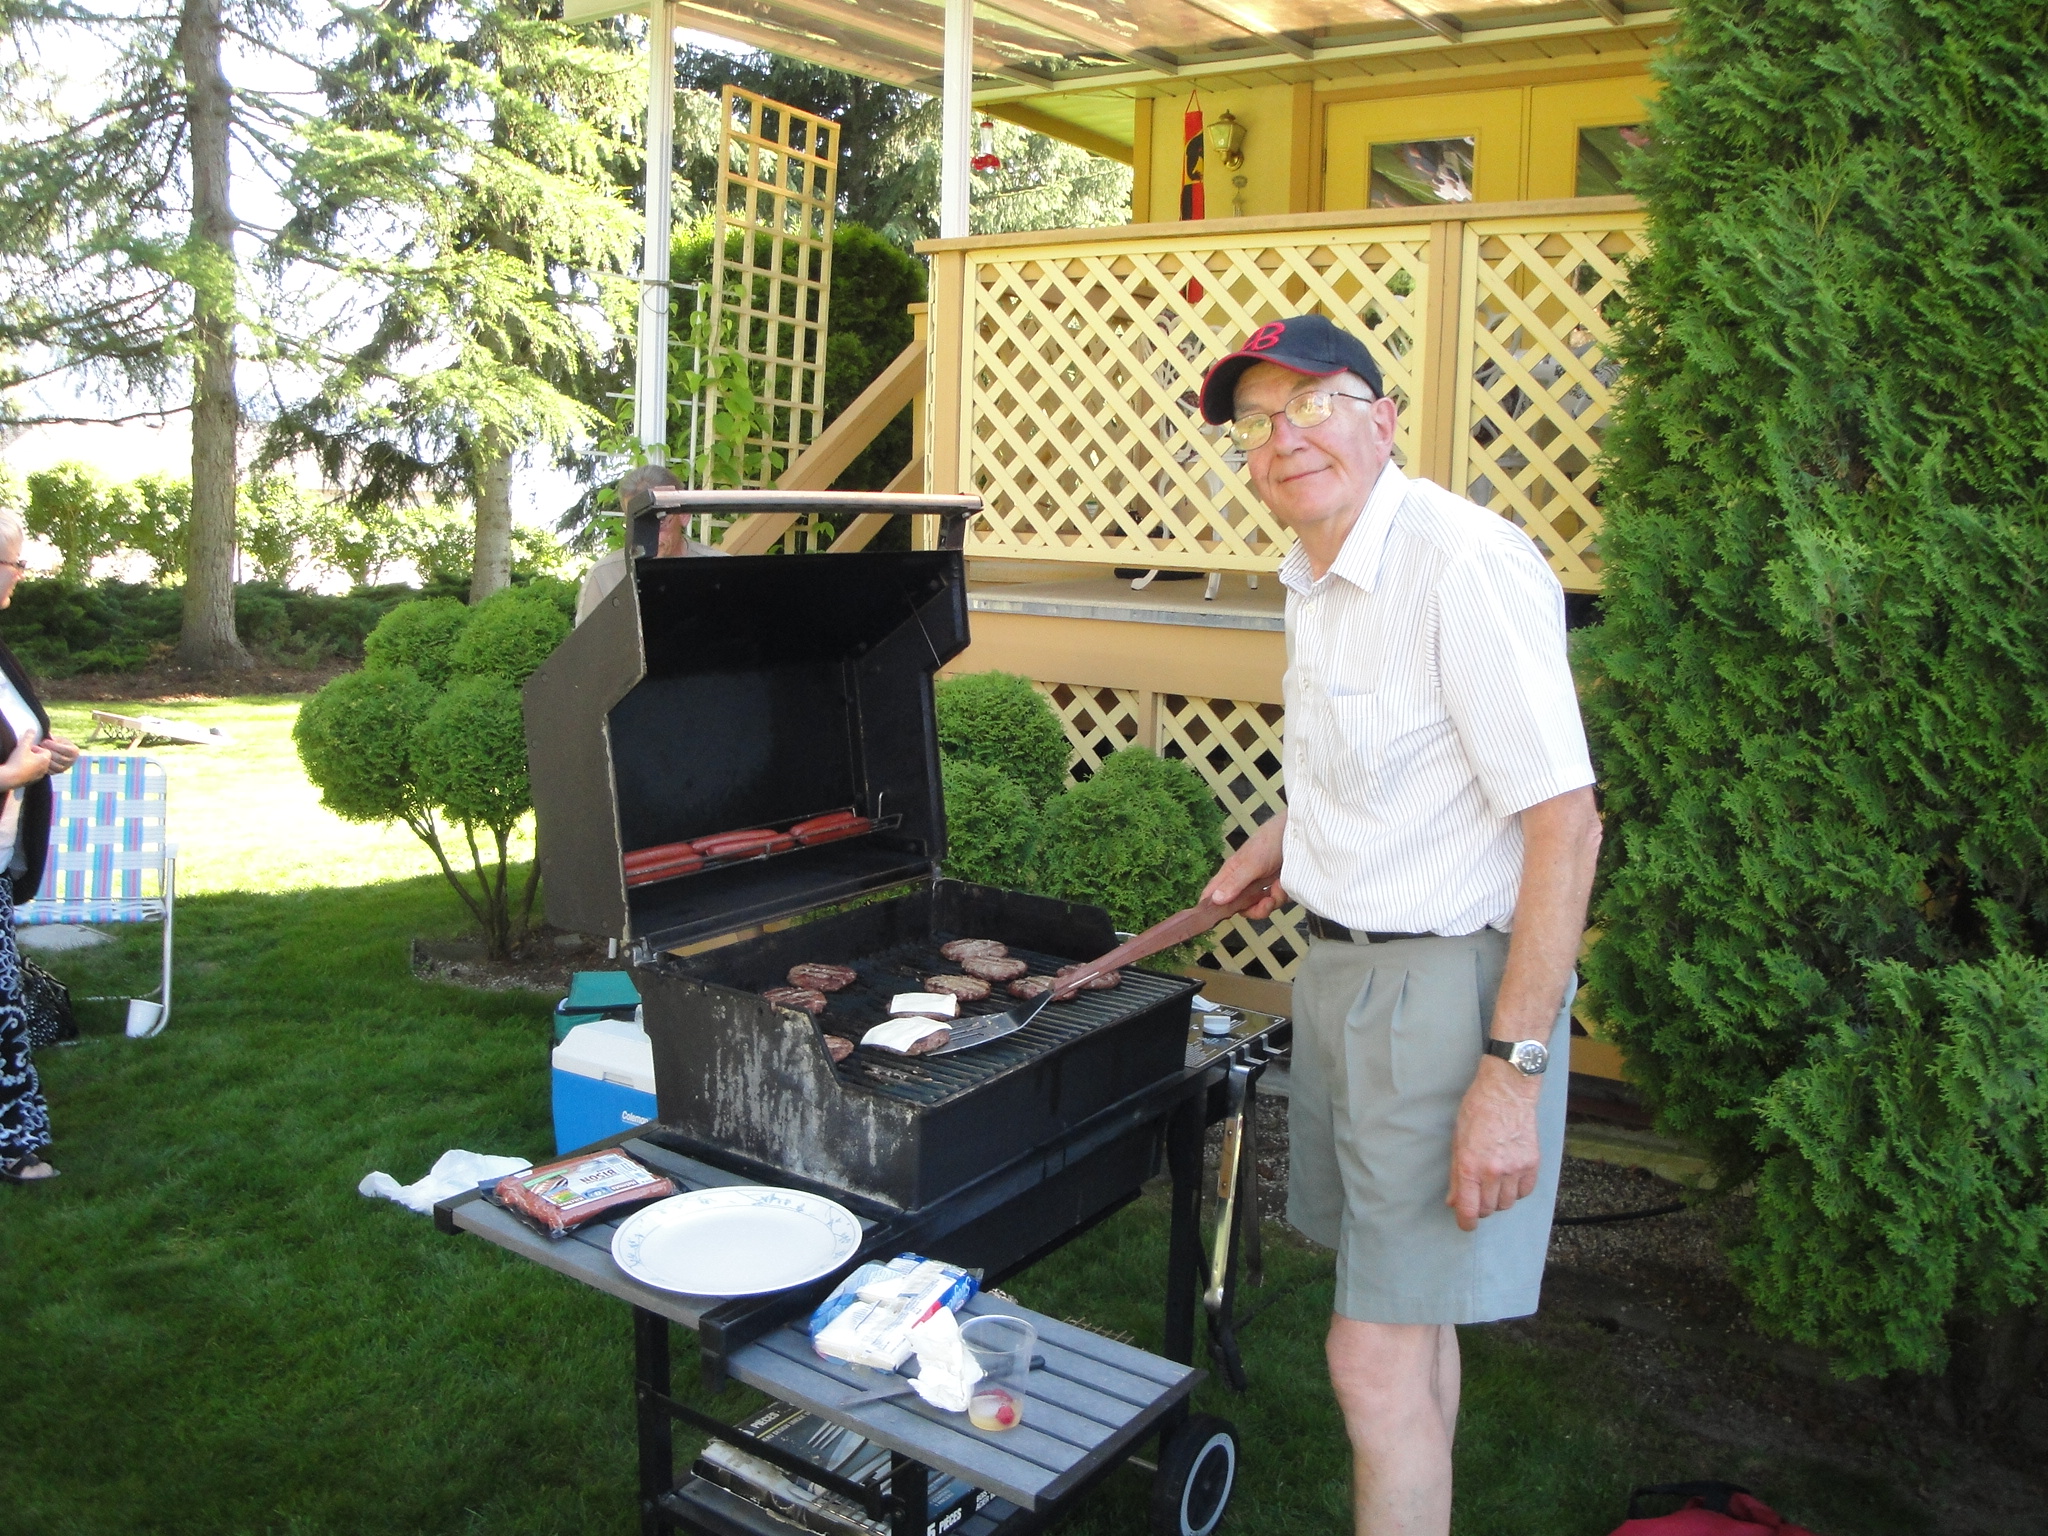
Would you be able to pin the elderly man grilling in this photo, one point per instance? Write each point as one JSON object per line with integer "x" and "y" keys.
{"x": 1442, "y": 833}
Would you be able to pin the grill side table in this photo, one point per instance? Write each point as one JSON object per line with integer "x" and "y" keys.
{"x": 1094, "y": 1404}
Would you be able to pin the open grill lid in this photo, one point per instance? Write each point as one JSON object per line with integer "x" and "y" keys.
{"x": 709, "y": 695}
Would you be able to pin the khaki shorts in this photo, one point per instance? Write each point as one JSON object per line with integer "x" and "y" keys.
{"x": 1387, "y": 1038}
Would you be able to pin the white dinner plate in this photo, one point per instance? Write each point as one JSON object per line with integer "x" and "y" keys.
{"x": 743, "y": 1241}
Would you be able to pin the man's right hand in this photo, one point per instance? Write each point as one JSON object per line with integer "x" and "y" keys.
{"x": 1257, "y": 860}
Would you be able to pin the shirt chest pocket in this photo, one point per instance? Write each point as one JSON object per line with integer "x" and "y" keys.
{"x": 1368, "y": 735}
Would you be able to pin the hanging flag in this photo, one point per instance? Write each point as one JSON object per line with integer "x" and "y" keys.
{"x": 1191, "y": 160}
{"x": 1191, "y": 176}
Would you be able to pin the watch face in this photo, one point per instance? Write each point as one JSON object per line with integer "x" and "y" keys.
{"x": 1529, "y": 1057}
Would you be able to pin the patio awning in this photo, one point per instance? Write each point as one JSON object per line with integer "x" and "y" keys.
{"x": 1027, "y": 47}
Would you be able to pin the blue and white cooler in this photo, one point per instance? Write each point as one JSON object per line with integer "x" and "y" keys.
{"x": 603, "y": 1080}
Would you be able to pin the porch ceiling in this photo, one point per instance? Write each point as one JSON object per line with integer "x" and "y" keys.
{"x": 1036, "y": 51}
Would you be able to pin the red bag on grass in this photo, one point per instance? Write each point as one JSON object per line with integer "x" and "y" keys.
{"x": 1710, "y": 1509}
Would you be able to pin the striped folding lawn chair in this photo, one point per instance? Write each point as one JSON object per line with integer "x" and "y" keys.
{"x": 109, "y": 862}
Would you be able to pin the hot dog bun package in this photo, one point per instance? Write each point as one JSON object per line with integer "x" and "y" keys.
{"x": 868, "y": 1317}
{"x": 560, "y": 1197}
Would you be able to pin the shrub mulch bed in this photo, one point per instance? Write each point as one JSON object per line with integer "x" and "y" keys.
{"x": 170, "y": 684}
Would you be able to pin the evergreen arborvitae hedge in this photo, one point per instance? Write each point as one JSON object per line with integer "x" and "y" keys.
{"x": 1126, "y": 846}
{"x": 1819, "y": 688}
{"x": 999, "y": 720}
{"x": 992, "y": 828}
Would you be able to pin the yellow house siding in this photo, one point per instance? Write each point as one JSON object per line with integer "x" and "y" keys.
{"x": 1275, "y": 165}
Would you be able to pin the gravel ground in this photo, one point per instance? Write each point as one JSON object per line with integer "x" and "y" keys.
{"x": 1656, "y": 1298}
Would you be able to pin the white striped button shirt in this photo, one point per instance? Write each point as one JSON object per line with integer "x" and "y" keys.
{"x": 1428, "y": 702}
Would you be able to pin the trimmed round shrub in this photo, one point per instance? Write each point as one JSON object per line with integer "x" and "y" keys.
{"x": 1126, "y": 847}
{"x": 355, "y": 738}
{"x": 999, "y": 720}
{"x": 509, "y": 634}
{"x": 470, "y": 751}
{"x": 1137, "y": 765}
{"x": 419, "y": 636}
{"x": 555, "y": 589}
{"x": 992, "y": 828}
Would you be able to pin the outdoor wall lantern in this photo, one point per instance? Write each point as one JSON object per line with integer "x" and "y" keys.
{"x": 1226, "y": 138}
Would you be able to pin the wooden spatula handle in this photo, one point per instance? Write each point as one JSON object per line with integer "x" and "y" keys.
{"x": 1177, "y": 929}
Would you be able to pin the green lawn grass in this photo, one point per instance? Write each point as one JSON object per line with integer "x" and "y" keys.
{"x": 243, "y": 814}
{"x": 208, "y": 1331}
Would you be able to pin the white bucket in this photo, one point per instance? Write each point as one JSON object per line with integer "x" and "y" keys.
{"x": 145, "y": 1018}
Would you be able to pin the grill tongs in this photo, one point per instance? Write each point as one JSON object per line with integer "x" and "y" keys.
{"x": 1177, "y": 929}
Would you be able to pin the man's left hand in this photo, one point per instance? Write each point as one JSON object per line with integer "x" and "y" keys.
{"x": 1494, "y": 1154}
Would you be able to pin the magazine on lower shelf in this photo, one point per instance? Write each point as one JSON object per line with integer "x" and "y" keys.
{"x": 807, "y": 1505}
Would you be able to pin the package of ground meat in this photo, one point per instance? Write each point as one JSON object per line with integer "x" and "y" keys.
{"x": 560, "y": 1197}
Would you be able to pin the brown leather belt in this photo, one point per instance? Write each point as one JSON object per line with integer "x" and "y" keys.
{"x": 1320, "y": 927}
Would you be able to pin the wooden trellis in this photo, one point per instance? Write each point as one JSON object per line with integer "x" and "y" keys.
{"x": 1082, "y": 429}
{"x": 771, "y": 267}
{"x": 1065, "y": 371}
{"x": 1099, "y": 721}
{"x": 1235, "y": 746}
{"x": 1540, "y": 300}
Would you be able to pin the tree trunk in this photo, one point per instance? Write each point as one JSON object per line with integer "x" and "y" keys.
{"x": 207, "y": 639}
{"x": 491, "y": 570}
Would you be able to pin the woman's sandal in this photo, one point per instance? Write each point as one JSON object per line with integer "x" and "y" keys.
{"x": 22, "y": 1171}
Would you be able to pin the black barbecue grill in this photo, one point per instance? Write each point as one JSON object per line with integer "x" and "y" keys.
{"x": 713, "y": 695}
{"x": 710, "y": 695}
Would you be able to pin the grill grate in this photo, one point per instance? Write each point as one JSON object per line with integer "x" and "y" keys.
{"x": 929, "y": 1080}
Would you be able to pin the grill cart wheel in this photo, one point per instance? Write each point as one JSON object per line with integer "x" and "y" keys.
{"x": 1197, "y": 1468}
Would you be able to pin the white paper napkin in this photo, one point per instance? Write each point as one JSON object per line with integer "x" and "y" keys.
{"x": 946, "y": 1372}
{"x": 452, "y": 1173}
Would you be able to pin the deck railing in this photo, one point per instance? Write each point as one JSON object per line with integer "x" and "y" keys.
{"x": 1065, "y": 367}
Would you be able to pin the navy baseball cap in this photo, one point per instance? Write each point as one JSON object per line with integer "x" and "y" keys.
{"x": 1305, "y": 343}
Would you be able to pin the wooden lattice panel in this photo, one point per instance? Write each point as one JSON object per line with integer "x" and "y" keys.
{"x": 1099, "y": 721}
{"x": 1235, "y": 746}
{"x": 771, "y": 270}
{"x": 1538, "y": 310}
{"x": 1082, "y": 430}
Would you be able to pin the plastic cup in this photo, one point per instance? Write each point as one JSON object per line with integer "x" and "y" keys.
{"x": 145, "y": 1018}
{"x": 1002, "y": 1347}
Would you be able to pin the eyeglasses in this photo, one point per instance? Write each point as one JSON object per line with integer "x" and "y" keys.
{"x": 1306, "y": 410}
{"x": 19, "y": 565}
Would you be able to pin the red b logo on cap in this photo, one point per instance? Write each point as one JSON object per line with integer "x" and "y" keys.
{"x": 1265, "y": 336}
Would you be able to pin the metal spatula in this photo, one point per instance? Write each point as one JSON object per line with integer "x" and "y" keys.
{"x": 1177, "y": 929}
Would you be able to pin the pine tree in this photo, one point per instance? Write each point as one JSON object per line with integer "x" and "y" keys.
{"x": 1819, "y": 690}
{"x": 467, "y": 182}
{"x": 119, "y": 265}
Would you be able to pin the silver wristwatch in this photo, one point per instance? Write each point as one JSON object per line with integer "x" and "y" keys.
{"x": 1528, "y": 1057}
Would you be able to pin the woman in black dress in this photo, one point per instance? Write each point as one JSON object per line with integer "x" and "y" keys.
{"x": 29, "y": 754}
